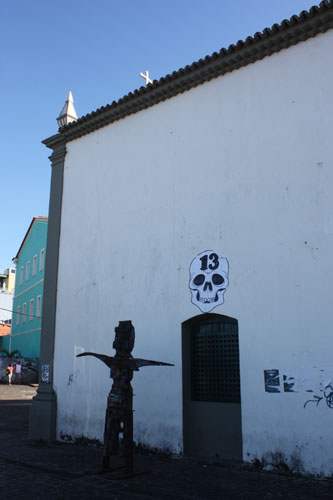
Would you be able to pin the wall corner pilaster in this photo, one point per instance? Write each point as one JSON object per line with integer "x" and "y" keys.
{"x": 43, "y": 412}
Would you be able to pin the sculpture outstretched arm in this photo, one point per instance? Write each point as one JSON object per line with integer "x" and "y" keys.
{"x": 148, "y": 362}
{"x": 106, "y": 359}
{"x": 132, "y": 363}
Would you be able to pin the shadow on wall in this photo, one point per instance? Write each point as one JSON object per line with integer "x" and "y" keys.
{"x": 29, "y": 370}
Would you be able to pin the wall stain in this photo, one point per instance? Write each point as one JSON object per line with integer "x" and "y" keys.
{"x": 83, "y": 287}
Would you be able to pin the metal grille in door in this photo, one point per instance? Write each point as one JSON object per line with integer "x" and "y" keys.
{"x": 215, "y": 361}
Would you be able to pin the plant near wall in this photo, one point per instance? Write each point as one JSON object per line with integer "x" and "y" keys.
{"x": 15, "y": 353}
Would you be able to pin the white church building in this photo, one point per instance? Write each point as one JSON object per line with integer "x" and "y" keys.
{"x": 200, "y": 208}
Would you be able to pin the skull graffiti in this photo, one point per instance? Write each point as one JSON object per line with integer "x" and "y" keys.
{"x": 208, "y": 280}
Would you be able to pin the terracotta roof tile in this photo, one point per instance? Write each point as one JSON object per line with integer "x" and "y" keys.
{"x": 4, "y": 329}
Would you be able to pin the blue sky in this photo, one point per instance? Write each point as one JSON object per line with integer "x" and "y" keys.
{"x": 96, "y": 49}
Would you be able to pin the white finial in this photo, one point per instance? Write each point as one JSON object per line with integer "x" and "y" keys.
{"x": 68, "y": 113}
{"x": 146, "y": 77}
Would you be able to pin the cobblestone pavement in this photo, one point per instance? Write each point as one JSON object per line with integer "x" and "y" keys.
{"x": 37, "y": 470}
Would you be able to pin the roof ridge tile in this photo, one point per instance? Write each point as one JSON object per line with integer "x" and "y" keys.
{"x": 280, "y": 36}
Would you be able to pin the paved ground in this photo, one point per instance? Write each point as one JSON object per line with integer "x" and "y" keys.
{"x": 37, "y": 470}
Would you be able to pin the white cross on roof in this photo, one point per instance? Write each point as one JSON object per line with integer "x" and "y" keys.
{"x": 146, "y": 77}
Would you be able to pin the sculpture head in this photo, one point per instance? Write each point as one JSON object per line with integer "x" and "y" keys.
{"x": 124, "y": 339}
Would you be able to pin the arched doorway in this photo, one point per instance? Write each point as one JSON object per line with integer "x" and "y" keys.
{"x": 211, "y": 387}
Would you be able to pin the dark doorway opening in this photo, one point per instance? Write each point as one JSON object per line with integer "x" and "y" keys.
{"x": 211, "y": 387}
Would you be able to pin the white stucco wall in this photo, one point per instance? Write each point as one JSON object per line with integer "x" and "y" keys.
{"x": 241, "y": 165}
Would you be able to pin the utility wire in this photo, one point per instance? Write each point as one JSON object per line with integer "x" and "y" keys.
{"x": 22, "y": 313}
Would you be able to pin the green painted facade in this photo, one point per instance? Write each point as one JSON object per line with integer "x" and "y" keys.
{"x": 28, "y": 298}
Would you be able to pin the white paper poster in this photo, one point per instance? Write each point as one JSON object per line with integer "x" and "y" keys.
{"x": 208, "y": 280}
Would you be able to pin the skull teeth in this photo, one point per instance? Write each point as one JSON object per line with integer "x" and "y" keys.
{"x": 208, "y": 300}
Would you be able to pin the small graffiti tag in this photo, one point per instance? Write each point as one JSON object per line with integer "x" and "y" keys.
{"x": 45, "y": 374}
{"x": 328, "y": 396}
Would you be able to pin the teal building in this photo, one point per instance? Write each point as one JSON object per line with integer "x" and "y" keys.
{"x": 28, "y": 297}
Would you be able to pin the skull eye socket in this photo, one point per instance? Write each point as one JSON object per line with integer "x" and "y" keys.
{"x": 198, "y": 280}
{"x": 217, "y": 279}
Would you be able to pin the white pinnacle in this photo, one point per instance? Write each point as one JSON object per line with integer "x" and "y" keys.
{"x": 68, "y": 113}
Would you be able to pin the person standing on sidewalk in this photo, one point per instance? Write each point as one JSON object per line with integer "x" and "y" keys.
{"x": 9, "y": 372}
{"x": 18, "y": 372}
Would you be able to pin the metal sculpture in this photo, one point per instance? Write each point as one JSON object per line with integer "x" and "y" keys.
{"x": 119, "y": 411}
